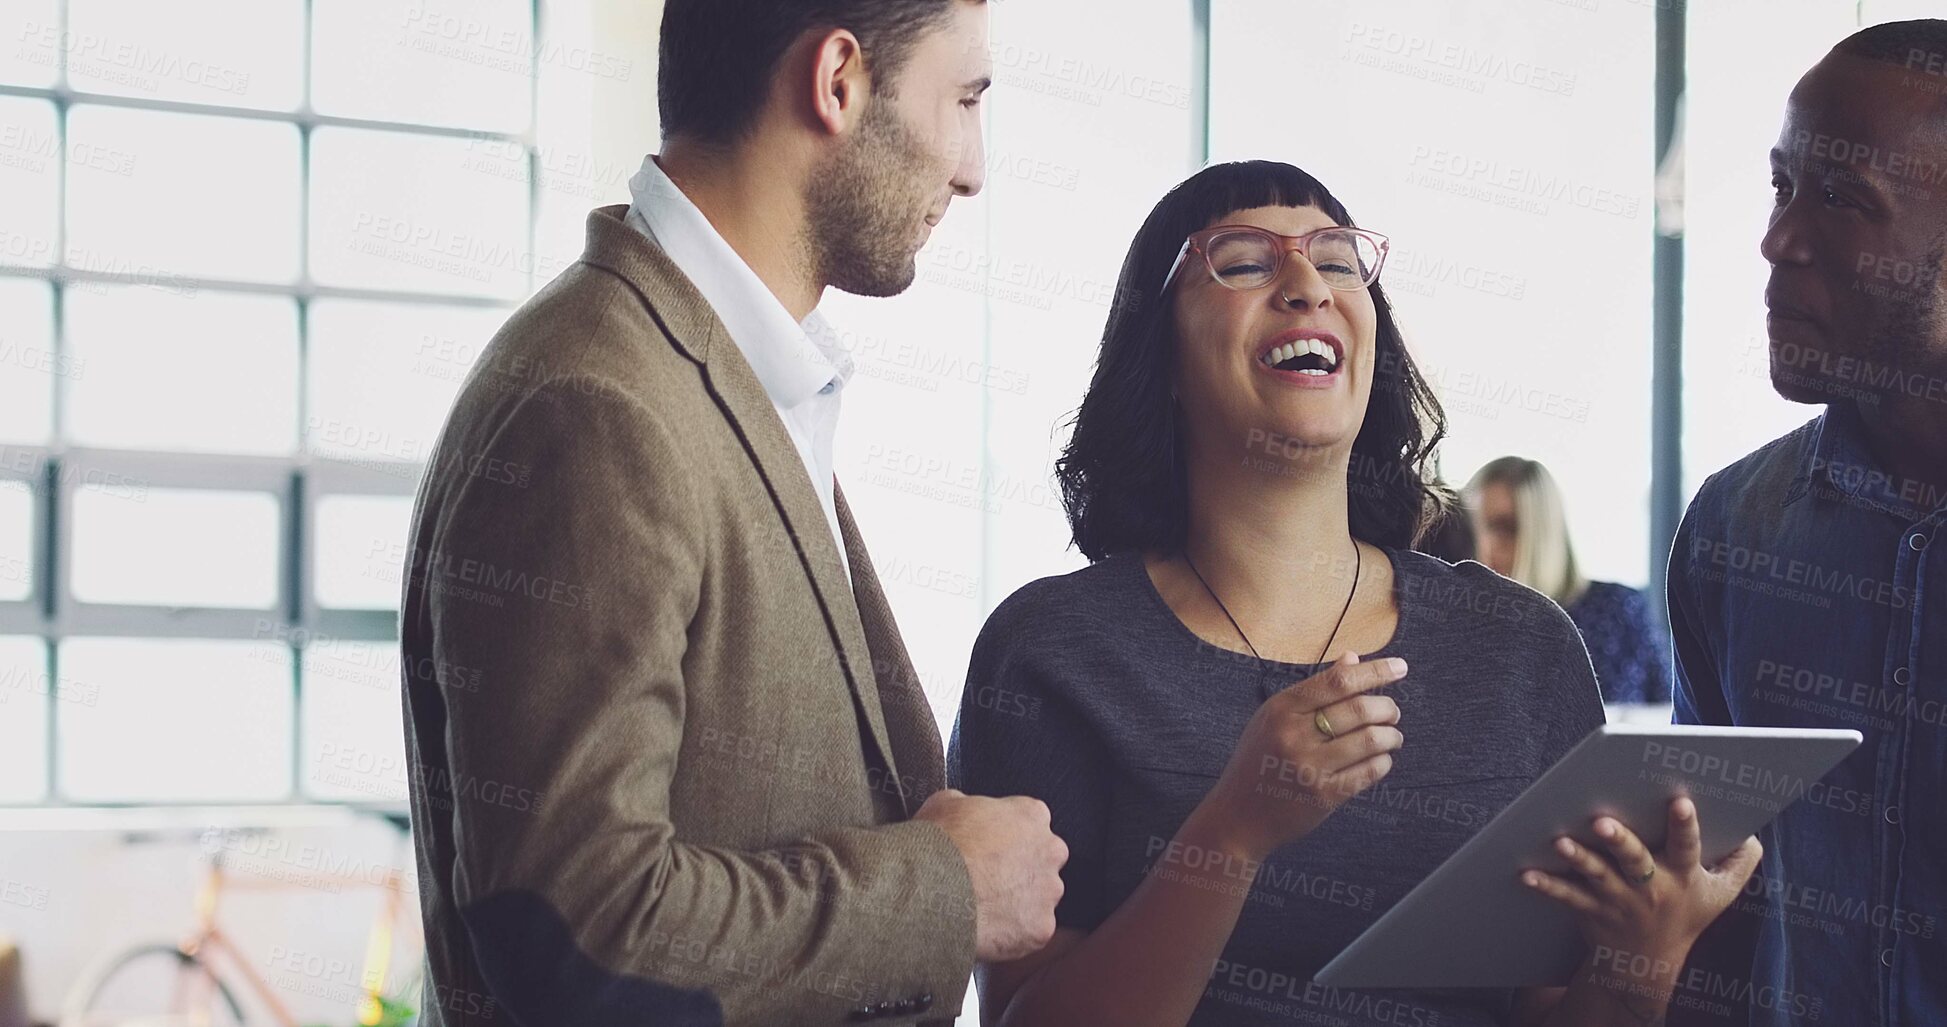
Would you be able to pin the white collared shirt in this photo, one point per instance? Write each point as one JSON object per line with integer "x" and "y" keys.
{"x": 802, "y": 366}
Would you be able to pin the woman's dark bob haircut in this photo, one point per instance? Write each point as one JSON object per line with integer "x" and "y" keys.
{"x": 1122, "y": 474}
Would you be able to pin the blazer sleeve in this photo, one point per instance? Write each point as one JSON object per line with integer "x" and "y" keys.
{"x": 582, "y": 904}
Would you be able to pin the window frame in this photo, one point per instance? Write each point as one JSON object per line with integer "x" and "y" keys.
{"x": 300, "y": 480}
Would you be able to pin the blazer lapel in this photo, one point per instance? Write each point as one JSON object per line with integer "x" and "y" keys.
{"x": 749, "y": 408}
{"x": 908, "y": 713}
{"x": 695, "y": 329}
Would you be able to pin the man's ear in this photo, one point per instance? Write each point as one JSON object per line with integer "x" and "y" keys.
{"x": 840, "y": 86}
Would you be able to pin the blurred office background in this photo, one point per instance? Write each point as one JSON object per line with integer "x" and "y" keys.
{"x": 249, "y": 248}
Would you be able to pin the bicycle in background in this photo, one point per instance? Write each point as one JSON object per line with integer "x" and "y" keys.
{"x": 201, "y": 980}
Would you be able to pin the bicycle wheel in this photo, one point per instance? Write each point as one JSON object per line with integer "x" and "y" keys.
{"x": 151, "y": 986}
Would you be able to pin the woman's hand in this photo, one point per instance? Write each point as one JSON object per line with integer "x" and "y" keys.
{"x": 1305, "y": 752}
{"x": 1642, "y": 911}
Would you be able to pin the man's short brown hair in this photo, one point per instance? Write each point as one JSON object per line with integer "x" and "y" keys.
{"x": 718, "y": 56}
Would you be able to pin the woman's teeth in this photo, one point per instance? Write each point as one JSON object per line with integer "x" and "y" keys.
{"x": 1305, "y": 356}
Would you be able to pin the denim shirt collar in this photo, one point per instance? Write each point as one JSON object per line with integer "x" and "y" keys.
{"x": 1839, "y": 466}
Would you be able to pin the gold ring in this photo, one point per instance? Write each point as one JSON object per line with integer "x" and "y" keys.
{"x": 1324, "y": 725}
{"x": 1647, "y": 874}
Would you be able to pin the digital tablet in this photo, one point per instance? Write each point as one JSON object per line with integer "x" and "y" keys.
{"x": 1472, "y": 923}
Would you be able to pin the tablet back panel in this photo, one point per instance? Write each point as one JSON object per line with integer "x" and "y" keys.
{"x": 1472, "y": 923}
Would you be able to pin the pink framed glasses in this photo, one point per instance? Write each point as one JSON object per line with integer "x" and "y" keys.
{"x": 1245, "y": 257}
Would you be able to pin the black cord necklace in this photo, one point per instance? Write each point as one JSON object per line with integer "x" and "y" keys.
{"x": 1358, "y": 561}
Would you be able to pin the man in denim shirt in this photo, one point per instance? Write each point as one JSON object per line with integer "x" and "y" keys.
{"x": 1808, "y": 582}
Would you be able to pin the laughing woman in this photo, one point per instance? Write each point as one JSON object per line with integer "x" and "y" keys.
{"x": 1248, "y": 469}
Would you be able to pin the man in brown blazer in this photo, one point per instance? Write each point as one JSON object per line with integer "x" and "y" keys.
{"x": 671, "y": 763}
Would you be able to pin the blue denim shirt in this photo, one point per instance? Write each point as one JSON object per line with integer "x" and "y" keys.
{"x": 1808, "y": 588}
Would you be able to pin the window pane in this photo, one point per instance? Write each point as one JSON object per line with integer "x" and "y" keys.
{"x": 354, "y": 741}
{"x": 234, "y": 53}
{"x": 16, "y": 541}
{"x": 175, "y": 720}
{"x": 463, "y": 65}
{"x": 23, "y": 719}
{"x": 32, "y": 34}
{"x": 30, "y": 180}
{"x": 1733, "y": 111}
{"x": 389, "y": 210}
{"x": 1508, "y": 230}
{"x": 1064, "y": 150}
{"x": 360, "y": 557}
{"x": 27, "y": 362}
{"x": 212, "y": 372}
{"x": 175, "y": 547}
{"x": 159, "y": 195}
{"x": 383, "y": 375}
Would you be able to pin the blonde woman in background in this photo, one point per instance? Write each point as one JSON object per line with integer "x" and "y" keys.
{"x": 1521, "y": 532}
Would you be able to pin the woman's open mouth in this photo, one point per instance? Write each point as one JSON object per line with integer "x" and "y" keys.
{"x": 1306, "y": 357}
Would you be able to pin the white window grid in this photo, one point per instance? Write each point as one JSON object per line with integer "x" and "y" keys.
{"x": 53, "y": 472}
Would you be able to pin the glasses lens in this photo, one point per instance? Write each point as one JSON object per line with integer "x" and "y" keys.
{"x": 1243, "y": 260}
{"x": 1346, "y": 260}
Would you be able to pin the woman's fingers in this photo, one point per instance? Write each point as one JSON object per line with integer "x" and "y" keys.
{"x": 1349, "y": 715}
{"x": 1635, "y": 858}
{"x": 1684, "y": 848}
{"x": 1348, "y": 677}
{"x": 1349, "y": 750}
{"x": 1593, "y": 868}
{"x": 1358, "y": 777}
{"x": 1570, "y": 895}
{"x": 1743, "y": 861}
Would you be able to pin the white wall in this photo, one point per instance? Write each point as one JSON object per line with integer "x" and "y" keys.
{"x": 1506, "y": 150}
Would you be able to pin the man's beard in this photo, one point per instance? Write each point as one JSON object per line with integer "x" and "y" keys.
{"x": 1907, "y": 335}
{"x": 864, "y": 207}
{"x": 1901, "y": 347}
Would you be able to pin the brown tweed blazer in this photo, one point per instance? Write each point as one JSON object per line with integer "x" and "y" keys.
{"x": 663, "y": 754}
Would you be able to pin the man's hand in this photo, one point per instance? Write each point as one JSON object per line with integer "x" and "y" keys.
{"x": 1015, "y": 863}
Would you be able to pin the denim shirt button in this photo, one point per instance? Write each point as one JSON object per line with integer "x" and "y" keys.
{"x": 1916, "y": 541}
{"x": 1886, "y": 958}
{"x": 1892, "y": 814}
{"x": 1902, "y": 676}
